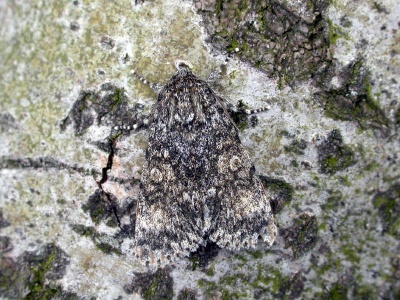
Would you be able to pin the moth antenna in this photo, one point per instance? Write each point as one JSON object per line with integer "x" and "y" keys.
{"x": 140, "y": 123}
{"x": 156, "y": 87}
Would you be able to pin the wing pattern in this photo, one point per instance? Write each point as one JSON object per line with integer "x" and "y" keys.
{"x": 197, "y": 182}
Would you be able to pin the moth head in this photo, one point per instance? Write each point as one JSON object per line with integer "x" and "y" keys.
{"x": 183, "y": 66}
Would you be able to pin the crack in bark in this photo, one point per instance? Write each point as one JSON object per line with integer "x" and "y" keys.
{"x": 45, "y": 162}
{"x": 104, "y": 179}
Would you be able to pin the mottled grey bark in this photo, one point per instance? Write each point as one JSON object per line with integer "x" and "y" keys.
{"x": 326, "y": 151}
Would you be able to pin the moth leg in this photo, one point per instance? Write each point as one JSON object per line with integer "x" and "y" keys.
{"x": 143, "y": 121}
{"x": 156, "y": 87}
{"x": 240, "y": 109}
{"x": 253, "y": 111}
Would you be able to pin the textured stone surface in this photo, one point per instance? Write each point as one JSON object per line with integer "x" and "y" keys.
{"x": 327, "y": 150}
{"x": 286, "y": 40}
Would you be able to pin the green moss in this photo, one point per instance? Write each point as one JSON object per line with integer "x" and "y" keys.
{"x": 210, "y": 271}
{"x": 330, "y": 162}
{"x": 355, "y": 101}
{"x": 332, "y": 264}
{"x": 240, "y": 117}
{"x": 258, "y": 63}
{"x": 148, "y": 294}
{"x": 397, "y": 117}
{"x": 322, "y": 226}
{"x": 195, "y": 263}
{"x": 161, "y": 287}
{"x": 269, "y": 282}
{"x": 258, "y": 43}
{"x": 388, "y": 205}
{"x": 255, "y": 254}
{"x": 97, "y": 238}
{"x": 366, "y": 292}
{"x": 226, "y": 287}
{"x": 310, "y": 4}
{"x": 335, "y": 33}
{"x": 262, "y": 25}
{"x": 118, "y": 98}
{"x": 155, "y": 285}
{"x": 228, "y": 295}
{"x": 95, "y": 213}
{"x": 344, "y": 180}
{"x": 219, "y": 6}
{"x": 86, "y": 98}
{"x": 379, "y": 7}
{"x": 37, "y": 288}
{"x": 337, "y": 292}
{"x": 281, "y": 82}
{"x": 61, "y": 201}
{"x": 304, "y": 229}
{"x": 231, "y": 280}
{"x": 269, "y": 277}
{"x": 96, "y": 206}
{"x": 297, "y": 147}
{"x": 351, "y": 253}
{"x": 302, "y": 235}
{"x": 208, "y": 285}
{"x": 335, "y": 162}
{"x": 222, "y": 33}
{"x": 371, "y": 166}
{"x": 245, "y": 47}
{"x": 241, "y": 260}
{"x": 107, "y": 248}
{"x": 232, "y": 75}
{"x": 232, "y": 46}
{"x": 272, "y": 284}
{"x": 334, "y": 201}
{"x": 281, "y": 185}
{"x": 31, "y": 275}
{"x": 243, "y": 5}
{"x": 334, "y": 155}
{"x": 109, "y": 103}
{"x": 281, "y": 191}
{"x": 115, "y": 136}
{"x": 83, "y": 230}
{"x": 186, "y": 294}
{"x": 112, "y": 222}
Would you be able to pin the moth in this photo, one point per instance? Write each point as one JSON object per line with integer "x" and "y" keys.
{"x": 198, "y": 183}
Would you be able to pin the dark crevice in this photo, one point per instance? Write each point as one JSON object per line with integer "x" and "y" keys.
{"x": 104, "y": 179}
{"x": 204, "y": 255}
{"x": 9, "y": 162}
{"x": 108, "y": 167}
